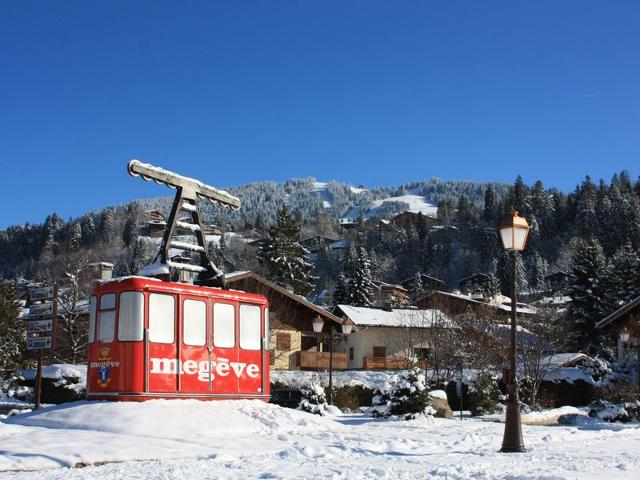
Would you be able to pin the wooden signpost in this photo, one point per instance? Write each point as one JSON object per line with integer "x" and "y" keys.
{"x": 40, "y": 321}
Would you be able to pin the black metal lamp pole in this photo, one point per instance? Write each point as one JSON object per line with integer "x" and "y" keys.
{"x": 512, "y": 440}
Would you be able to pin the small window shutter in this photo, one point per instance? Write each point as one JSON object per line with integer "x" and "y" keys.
{"x": 283, "y": 341}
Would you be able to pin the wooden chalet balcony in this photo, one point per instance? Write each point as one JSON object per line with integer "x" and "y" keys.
{"x": 389, "y": 363}
{"x": 311, "y": 360}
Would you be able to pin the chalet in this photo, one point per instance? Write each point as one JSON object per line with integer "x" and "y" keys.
{"x": 429, "y": 284}
{"x": 339, "y": 245}
{"x": 626, "y": 323}
{"x": 558, "y": 281}
{"x": 293, "y": 344}
{"x": 155, "y": 224}
{"x": 453, "y": 304}
{"x": 388, "y": 338}
{"x": 410, "y": 218}
{"x": 474, "y": 284}
{"x": 389, "y": 294}
{"x": 317, "y": 243}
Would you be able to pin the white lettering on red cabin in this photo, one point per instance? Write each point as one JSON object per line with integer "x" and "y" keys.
{"x": 222, "y": 368}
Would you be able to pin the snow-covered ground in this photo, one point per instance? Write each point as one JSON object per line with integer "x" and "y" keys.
{"x": 250, "y": 439}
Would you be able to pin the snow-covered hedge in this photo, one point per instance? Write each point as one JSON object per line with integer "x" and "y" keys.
{"x": 615, "y": 412}
{"x": 406, "y": 395}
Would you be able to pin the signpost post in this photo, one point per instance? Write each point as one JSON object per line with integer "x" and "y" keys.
{"x": 42, "y": 314}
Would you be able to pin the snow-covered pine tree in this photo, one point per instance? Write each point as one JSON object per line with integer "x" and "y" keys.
{"x": 538, "y": 266}
{"x": 586, "y": 291}
{"x": 416, "y": 290}
{"x": 107, "y": 229}
{"x": 490, "y": 205}
{"x": 622, "y": 282}
{"x": 493, "y": 282}
{"x": 505, "y": 272}
{"x": 285, "y": 259}
{"x": 74, "y": 236}
{"x": 12, "y": 332}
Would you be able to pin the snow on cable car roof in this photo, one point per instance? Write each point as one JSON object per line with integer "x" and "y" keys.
{"x": 399, "y": 317}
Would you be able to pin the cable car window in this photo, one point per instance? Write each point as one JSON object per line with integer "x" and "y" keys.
{"x": 194, "y": 314}
{"x": 107, "y": 318}
{"x": 92, "y": 319}
{"x": 250, "y": 327}
{"x": 161, "y": 318}
{"x": 266, "y": 323}
{"x": 224, "y": 325}
{"x": 130, "y": 316}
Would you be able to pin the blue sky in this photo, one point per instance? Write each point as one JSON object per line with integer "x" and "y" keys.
{"x": 367, "y": 92}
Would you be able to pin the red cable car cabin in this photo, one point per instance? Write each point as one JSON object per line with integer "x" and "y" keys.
{"x": 154, "y": 339}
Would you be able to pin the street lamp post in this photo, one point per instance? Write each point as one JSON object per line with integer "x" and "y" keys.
{"x": 347, "y": 327}
{"x": 514, "y": 230}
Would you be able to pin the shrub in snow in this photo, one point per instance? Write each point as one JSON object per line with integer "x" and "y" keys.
{"x": 611, "y": 412}
{"x": 483, "y": 394}
{"x": 405, "y": 395}
{"x": 313, "y": 400}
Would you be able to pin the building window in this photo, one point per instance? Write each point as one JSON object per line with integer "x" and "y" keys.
{"x": 379, "y": 351}
{"x": 422, "y": 353}
{"x": 350, "y": 353}
{"x": 283, "y": 341}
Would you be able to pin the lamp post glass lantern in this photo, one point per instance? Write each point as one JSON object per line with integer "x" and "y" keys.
{"x": 514, "y": 231}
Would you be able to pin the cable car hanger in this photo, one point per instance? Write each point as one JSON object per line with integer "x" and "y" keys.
{"x": 186, "y": 218}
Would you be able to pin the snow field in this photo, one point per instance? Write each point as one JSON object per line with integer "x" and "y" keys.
{"x": 250, "y": 439}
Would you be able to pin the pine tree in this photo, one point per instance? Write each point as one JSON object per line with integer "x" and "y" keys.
{"x": 464, "y": 212}
{"x": 74, "y": 236}
{"x": 341, "y": 293}
{"x": 538, "y": 269}
{"x": 107, "y": 226}
{"x": 490, "y": 205}
{"x": 88, "y": 230}
{"x": 285, "y": 259}
{"x": 505, "y": 273}
{"x": 355, "y": 284}
{"x": 417, "y": 288}
{"x": 586, "y": 291}
{"x": 622, "y": 278}
{"x": 493, "y": 283}
{"x": 12, "y": 333}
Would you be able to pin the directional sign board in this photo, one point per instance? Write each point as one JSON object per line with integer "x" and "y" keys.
{"x": 38, "y": 343}
{"x": 39, "y": 309}
{"x": 37, "y": 326}
{"x": 42, "y": 293}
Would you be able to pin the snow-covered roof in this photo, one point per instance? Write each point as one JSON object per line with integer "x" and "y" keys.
{"x": 399, "y": 317}
{"x": 520, "y": 307}
{"x": 560, "y": 360}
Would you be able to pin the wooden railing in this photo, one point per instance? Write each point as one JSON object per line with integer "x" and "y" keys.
{"x": 389, "y": 363}
{"x": 320, "y": 360}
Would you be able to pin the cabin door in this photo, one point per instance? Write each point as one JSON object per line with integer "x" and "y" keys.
{"x": 162, "y": 335}
{"x": 194, "y": 356}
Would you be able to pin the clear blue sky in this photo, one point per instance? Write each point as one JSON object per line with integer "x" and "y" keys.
{"x": 367, "y": 92}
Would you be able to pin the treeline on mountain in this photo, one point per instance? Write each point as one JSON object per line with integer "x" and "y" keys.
{"x": 592, "y": 233}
